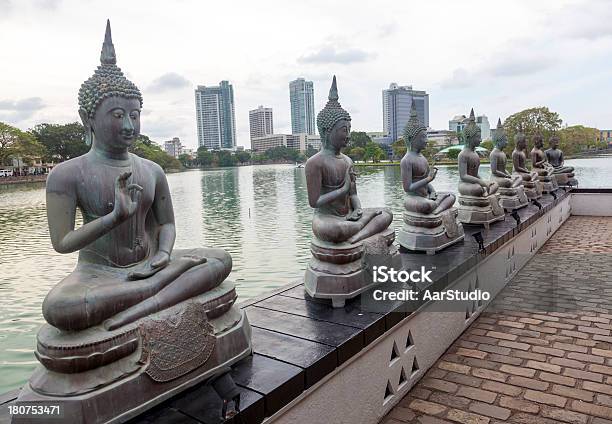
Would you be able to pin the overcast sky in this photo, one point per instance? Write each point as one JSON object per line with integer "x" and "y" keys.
{"x": 496, "y": 56}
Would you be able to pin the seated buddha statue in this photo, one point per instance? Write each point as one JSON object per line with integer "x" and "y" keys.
{"x": 340, "y": 225}
{"x": 519, "y": 167}
{"x": 430, "y": 221}
{"x": 478, "y": 203}
{"x": 134, "y": 305}
{"x": 511, "y": 192}
{"x": 563, "y": 174}
{"x": 540, "y": 164}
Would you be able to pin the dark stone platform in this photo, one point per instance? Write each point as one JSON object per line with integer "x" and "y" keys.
{"x": 298, "y": 340}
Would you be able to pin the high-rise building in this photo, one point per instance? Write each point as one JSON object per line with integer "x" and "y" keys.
{"x": 173, "y": 147}
{"x": 458, "y": 123}
{"x": 397, "y": 101}
{"x": 260, "y": 122}
{"x": 216, "y": 116}
{"x": 301, "y": 97}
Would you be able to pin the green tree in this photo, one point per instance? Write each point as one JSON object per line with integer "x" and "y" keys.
{"x": 453, "y": 154}
{"x": 359, "y": 139}
{"x": 374, "y": 152}
{"x": 310, "y": 151}
{"x": 356, "y": 153}
{"x": 185, "y": 160}
{"x": 145, "y": 148}
{"x": 15, "y": 143}
{"x": 530, "y": 121}
{"x": 204, "y": 157}
{"x": 487, "y": 145}
{"x": 226, "y": 158}
{"x": 62, "y": 141}
{"x": 243, "y": 157}
{"x": 577, "y": 138}
{"x": 399, "y": 148}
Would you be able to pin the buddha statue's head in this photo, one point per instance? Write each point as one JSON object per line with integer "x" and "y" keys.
{"x": 538, "y": 140}
{"x": 520, "y": 140}
{"x": 554, "y": 141}
{"x": 471, "y": 131}
{"x": 415, "y": 133}
{"x": 499, "y": 138}
{"x": 110, "y": 104}
{"x": 333, "y": 122}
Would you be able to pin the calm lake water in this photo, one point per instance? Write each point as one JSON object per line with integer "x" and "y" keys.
{"x": 259, "y": 214}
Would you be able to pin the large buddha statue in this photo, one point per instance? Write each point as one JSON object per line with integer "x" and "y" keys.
{"x": 519, "y": 167}
{"x": 478, "y": 202}
{"x": 511, "y": 192}
{"x": 341, "y": 227}
{"x": 137, "y": 319}
{"x": 563, "y": 174}
{"x": 430, "y": 221}
{"x": 540, "y": 164}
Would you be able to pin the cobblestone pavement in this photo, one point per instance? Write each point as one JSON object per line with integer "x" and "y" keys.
{"x": 541, "y": 352}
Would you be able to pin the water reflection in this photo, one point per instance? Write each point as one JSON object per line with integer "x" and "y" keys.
{"x": 259, "y": 214}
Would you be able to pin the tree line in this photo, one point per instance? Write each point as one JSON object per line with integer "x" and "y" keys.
{"x": 60, "y": 142}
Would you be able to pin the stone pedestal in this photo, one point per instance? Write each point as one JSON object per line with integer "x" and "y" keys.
{"x": 430, "y": 233}
{"x": 564, "y": 180}
{"x": 512, "y": 198}
{"x": 341, "y": 271}
{"x": 547, "y": 183}
{"x": 480, "y": 210}
{"x": 530, "y": 189}
{"x": 100, "y": 376}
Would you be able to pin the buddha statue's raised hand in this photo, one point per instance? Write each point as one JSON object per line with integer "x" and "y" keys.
{"x": 126, "y": 197}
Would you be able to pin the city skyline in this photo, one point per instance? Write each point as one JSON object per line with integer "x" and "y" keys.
{"x": 535, "y": 57}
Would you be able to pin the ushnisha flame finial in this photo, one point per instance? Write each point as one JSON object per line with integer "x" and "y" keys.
{"x": 413, "y": 126}
{"x": 332, "y": 112}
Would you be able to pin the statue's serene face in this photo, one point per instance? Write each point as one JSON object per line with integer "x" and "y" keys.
{"x": 475, "y": 140}
{"x": 419, "y": 142}
{"x": 521, "y": 143}
{"x": 501, "y": 144}
{"x": 538, "y": 142}
{"x": 554, "y": 143}
{"x": 340, "y": 134}
{"x": 116, "y": 122}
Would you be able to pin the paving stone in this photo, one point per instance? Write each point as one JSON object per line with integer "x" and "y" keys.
{"x": 545, "y": 398}
{"x": 519, "y": 404}
{"x": 490, "y": 410}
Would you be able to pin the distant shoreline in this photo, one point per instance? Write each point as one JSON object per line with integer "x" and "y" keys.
{"x": 23, "y": 180}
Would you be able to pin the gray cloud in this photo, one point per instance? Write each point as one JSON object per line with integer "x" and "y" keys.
{"x": 512, "y": 66}
{"x": 330, "y": 54}
{"x": 460, "y": 78}
{"x": 18, "y": 110}
{"x": 169, "y": 81}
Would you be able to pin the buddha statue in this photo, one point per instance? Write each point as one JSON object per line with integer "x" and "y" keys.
{"x": 342, "y": 229}
{"x": 478, "y": 201}
{"x": 540, "y": 164}
{"x": 564, "y": 175}
{"x": 137, "y": 320}
{"x": 519, "y": 167}
{"x": 511, "y": 192}
{"x": 430, "y": 221}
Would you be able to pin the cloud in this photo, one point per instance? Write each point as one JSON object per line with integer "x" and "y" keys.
{"x": 512, "y": 66}
{"x": 169, "y": 81}
{"x": 588, "y": 20}
{"x": 329, "y": 54}
{"x": 387, "y": 30}
{"x": 19, "y": 110}
{"x": 460, "y": 78}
